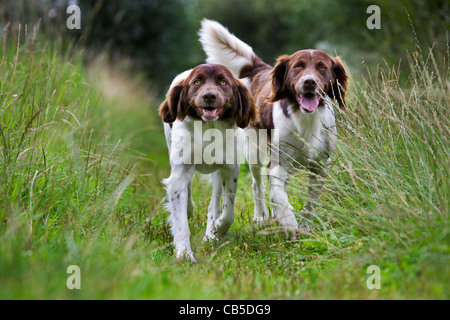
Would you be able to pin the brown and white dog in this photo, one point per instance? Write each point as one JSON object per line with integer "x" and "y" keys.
{"x": 204, "y": 102}
{"x": 296, "y": 99}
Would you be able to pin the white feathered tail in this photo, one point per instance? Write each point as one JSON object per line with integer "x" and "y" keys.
{"x": 224, "y": 48}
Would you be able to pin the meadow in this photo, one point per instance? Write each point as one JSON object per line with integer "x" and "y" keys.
{"x": 82, "y": 156}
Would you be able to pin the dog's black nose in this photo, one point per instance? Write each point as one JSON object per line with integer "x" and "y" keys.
{"x": 309, "y": 84}
{"x": 209, "y": 97}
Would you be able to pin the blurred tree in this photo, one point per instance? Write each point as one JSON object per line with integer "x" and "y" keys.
{"x": 285, "y": 26}
{"x": 157, "y": 34}
{"x": 160, "y": 36}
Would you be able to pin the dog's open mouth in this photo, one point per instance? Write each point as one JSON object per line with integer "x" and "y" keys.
{"x": 210, "y": 113}
{"x": 309, "y": 101}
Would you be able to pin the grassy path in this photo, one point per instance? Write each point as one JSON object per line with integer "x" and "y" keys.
{"x": 83, "y": 154}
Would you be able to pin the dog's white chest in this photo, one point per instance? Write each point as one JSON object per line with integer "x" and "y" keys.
{"x": 207, "y": 145}
{"x": 303, "y": 137}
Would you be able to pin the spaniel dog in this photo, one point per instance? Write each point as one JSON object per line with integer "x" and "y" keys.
{"x": 202, "y": 103}
{"x": 296, "y": 99}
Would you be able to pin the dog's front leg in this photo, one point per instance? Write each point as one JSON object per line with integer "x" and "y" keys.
{"x": 283, "y": 212}
{"x": 229, "y": 184}
{"x": 177, "y": 193}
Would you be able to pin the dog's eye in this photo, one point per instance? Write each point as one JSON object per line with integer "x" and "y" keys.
{"x": 196, "y": 82}
{"x": 300, "y": 65}
{"x": 223, "y": 82}
{"x": 321, "y": 66}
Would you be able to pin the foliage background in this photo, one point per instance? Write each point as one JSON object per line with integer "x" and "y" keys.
{"x": 160, "y": 36}
{"x": 82, "y": 154}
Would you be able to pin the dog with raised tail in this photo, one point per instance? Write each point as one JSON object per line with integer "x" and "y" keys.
{"x": 296, "y": 97}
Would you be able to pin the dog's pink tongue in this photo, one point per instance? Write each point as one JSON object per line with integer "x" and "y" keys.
{"x": 209, "y": 113}
{"x": 309, "y": 102}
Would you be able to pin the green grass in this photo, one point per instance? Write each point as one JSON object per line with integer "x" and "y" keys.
{"x": 82, "y": 156}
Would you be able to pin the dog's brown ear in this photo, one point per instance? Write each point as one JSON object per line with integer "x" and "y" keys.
{"x": 246, "y": 112}
{"x": 278, "y": 74}
{"x": 175, "y": 106}
{"x": 339, "y": 83}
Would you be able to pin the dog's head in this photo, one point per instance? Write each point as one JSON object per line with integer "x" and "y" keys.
{"x": 210, "y": 92}
{"x": 306, "y": 76}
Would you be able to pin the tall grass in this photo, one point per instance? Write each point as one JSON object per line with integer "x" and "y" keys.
{"x": 50, "y": 153}
{"x": 387, "y": 195}
{"x": 82, "y": 154}
{"x": 394, "y": 149}
{"x": 63, "y": 166}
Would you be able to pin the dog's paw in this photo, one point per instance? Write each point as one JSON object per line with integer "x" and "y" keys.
{"x": 306, "y": 220}
{"x": 184, "y": 255}
{"x": 211, "y": 236}
{"x": 260, "y": 217}
{"x": 259, "y": 220}
{"x": 288, "y": 221}
{"x": 305, "y": 226}
{"x": 223, "y": 225}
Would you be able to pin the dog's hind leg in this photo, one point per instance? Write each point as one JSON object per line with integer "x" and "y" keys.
{"x": 316, "y": 182}
{"x": 314, "y": 187}
{"x": 190, "y": 204}
{"x": 229, "y": 184}
{"x": 260, "y": 211}
{"x": 214, "y": 207}
{"x": 253, "y": 146}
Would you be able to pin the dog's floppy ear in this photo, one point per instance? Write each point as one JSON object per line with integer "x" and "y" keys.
{"x": 176, "y": 105}
{"x": 279, "y": 89}
{"x": 246, "y": 112}
{"x": 339, "y": 83}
